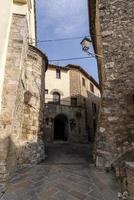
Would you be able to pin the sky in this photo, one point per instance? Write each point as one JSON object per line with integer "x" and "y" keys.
{"x": 58, "y": 19}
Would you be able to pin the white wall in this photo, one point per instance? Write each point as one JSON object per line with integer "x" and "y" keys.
{"x": 5, "y": 22}
{"x": 62, "y": 84}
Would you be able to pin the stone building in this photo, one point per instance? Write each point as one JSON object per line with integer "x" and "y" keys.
{"x": 22, "y": 69}
{"x": 71, "y": 104}
{"x": 111, "y": 28}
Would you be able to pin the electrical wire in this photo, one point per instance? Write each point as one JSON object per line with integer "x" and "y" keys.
{"x": 65, "y": 59}
{"x": 60, "y": 39}
{"x": 63, "y": 39}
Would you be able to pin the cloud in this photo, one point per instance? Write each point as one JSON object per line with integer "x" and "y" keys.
{"x": 65, "y": 17}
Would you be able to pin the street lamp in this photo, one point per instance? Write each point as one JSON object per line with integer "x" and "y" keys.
{"x": 85, "y": 43}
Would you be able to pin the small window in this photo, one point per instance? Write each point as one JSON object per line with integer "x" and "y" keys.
{"x": 73, "y": 101}
{"x": 94, "y": 108}
{"x": 133, "y": 98}
{"x": 84, "y": 101}
{"x": 91, "y": 87}
{"x": 58, "y": 74}
{"x": 46, "y": 91}
{"x": 56, "y": 97}
{"x": 27, "y": 97}
{"x": 83, "y": 81}
{"x": 130, "y": 99}
{"x": 47, "y": 121}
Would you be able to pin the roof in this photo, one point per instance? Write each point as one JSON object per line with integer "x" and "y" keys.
{"x": 71, "y": 66}
{"x": 58, "y": 67}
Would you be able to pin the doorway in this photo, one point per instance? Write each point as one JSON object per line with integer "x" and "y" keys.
{"x": 61, "y": 128}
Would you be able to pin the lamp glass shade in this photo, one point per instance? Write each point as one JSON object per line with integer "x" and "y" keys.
{"x": 85, "y": 43}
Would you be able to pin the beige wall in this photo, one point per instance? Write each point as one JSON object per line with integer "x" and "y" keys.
{"x": 77, "y": 87}
{"x": 62, "y": 84}
{"x": 86, "y": 88}
{"x": 5, "y": 21}
{"x": 70, "y": 84}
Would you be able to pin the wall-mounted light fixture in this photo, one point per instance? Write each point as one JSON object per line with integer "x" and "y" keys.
{"x": 85, "y": 43}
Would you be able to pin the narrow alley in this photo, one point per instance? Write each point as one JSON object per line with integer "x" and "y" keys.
{"x": 67, "y": 174}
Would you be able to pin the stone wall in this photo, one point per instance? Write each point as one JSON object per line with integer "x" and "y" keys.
{"x": 76, "y": 127}
{"x": 130, "y": 178}
{"x": 12, "y": 100}
{"x": 33, "y": 118}
{"x": 85, "y": 98}
{"x": 75, "y": 87}
{"x": 19, "y": 79}
{"x": 92, "y": 115}
{"x": 82, "y": 119}
{"x": 113, "y": 36}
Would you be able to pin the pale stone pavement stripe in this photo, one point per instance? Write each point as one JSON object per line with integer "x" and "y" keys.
{"x": 55, "y": 181}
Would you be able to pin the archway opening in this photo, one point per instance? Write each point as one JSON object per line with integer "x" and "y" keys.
{"x": 61, "y": 128}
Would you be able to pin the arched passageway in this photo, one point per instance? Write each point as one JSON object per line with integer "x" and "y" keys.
{"x": 61, "y": 127}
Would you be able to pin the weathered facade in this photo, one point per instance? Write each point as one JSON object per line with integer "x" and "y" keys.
{"x": 111, "y": 25}
{"x": 71, "y": 104}
{"x": 22, "y": 98}
{"x": 111, "y": 28}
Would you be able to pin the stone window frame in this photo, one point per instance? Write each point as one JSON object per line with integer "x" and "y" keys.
{"x": 74, "y": 101}
{"x": 94, "y": 108}
{"x": 83, "y": 81}
{"x": 46, "y": 91}
{"x": 133, "y": 98}
{"x": 130, "y": 99}
{"x": 91, "y": 87}
{"x": 58, "y": 74}
{"x": 56, "y": 97}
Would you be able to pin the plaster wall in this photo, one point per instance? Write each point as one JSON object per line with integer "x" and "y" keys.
{"x": 62, "y": 84}
{"x": 5, "y": 16}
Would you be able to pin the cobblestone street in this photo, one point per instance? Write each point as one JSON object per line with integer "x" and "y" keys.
{"x": 67, "y": 174}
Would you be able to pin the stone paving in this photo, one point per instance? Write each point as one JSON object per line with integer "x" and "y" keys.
{"x": 67, "y": 174}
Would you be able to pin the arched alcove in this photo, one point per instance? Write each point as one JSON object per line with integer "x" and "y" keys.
{"x": 61, "y": 127}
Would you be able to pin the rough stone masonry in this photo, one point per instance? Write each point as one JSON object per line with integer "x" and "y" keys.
{"x": 112, "y": 30}
{"x": 22, "y": 104}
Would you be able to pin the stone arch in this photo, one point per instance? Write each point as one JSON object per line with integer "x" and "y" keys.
{"x": 58, "y": 91}
{"x": 61, "y": 127}
{"x": 56, "y": 97}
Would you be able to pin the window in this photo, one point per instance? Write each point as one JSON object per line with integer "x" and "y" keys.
{"x": 133, "y": 98}
{"x": 83, "y": 81}
{"x": 27, "y": 97}
{"x": 46, "y": 91}
{"x": 58, "y": 73}
{"x": 47, "y": 121}
{"x": 91, "y": 87}
{"x": 56, "y": 97}
{"x": 94, "y": 108}
{"x": 84, "y": 101}
{"x": 73, "y": 101}
{"x": 130, "y": 99}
